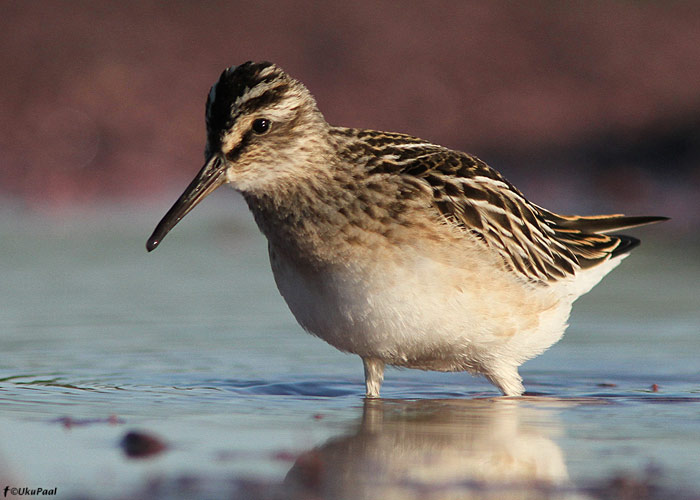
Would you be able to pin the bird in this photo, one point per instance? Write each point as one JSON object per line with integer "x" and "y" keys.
{"x": 387, "y": 246}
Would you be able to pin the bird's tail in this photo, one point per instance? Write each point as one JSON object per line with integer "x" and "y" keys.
{"x": 586, "y": 236}
{"x": 600, "y": 224}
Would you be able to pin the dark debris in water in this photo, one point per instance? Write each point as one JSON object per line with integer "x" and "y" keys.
{"x": 136, "y": 444}
{"x": 645, "y": 485}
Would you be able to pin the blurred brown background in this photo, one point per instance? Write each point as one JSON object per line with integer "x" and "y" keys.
{"x": 587, "y": 106}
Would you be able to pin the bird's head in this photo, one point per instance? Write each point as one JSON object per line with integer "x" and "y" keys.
{"x": 263, "y": 130}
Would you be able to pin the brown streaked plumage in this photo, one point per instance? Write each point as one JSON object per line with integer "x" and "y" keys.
{"x": 393, "y": 248}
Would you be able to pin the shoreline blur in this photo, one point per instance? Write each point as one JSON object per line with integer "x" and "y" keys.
{"x": 587, "y": 108}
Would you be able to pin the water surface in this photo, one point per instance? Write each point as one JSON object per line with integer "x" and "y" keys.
{"x": 192, "y": 344}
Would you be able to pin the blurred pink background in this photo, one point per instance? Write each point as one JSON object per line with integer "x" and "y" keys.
{"x": 587, "y": 106}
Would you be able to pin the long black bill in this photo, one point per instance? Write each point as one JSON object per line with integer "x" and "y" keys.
{"x": 212, "y": 175}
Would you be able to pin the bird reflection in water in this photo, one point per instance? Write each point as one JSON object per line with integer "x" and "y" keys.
{"x": 483, "y": 448}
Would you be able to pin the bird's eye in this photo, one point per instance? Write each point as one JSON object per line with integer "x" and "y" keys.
{"x": 261, "y": 125}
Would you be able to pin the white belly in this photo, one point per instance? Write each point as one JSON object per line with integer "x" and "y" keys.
{"x": 416, "y": 312}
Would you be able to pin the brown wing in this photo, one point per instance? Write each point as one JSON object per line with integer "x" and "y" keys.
{"x": 535, "y": 243}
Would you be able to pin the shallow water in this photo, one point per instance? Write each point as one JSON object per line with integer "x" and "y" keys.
{"x": 193, "y": 344}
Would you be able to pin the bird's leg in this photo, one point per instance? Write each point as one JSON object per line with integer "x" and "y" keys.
{"x": 374, "y": 376}
{"x": 507, "y": 379}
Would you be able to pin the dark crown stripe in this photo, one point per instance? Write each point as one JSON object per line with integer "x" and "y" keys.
{"x": 273, "y": 94}
{"x": 233, "y": 83}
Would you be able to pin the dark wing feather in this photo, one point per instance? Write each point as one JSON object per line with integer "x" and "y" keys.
{"x": 599, "y": 223}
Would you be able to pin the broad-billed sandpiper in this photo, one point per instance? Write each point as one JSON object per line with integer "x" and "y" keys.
{"x": 390, "y": 247}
